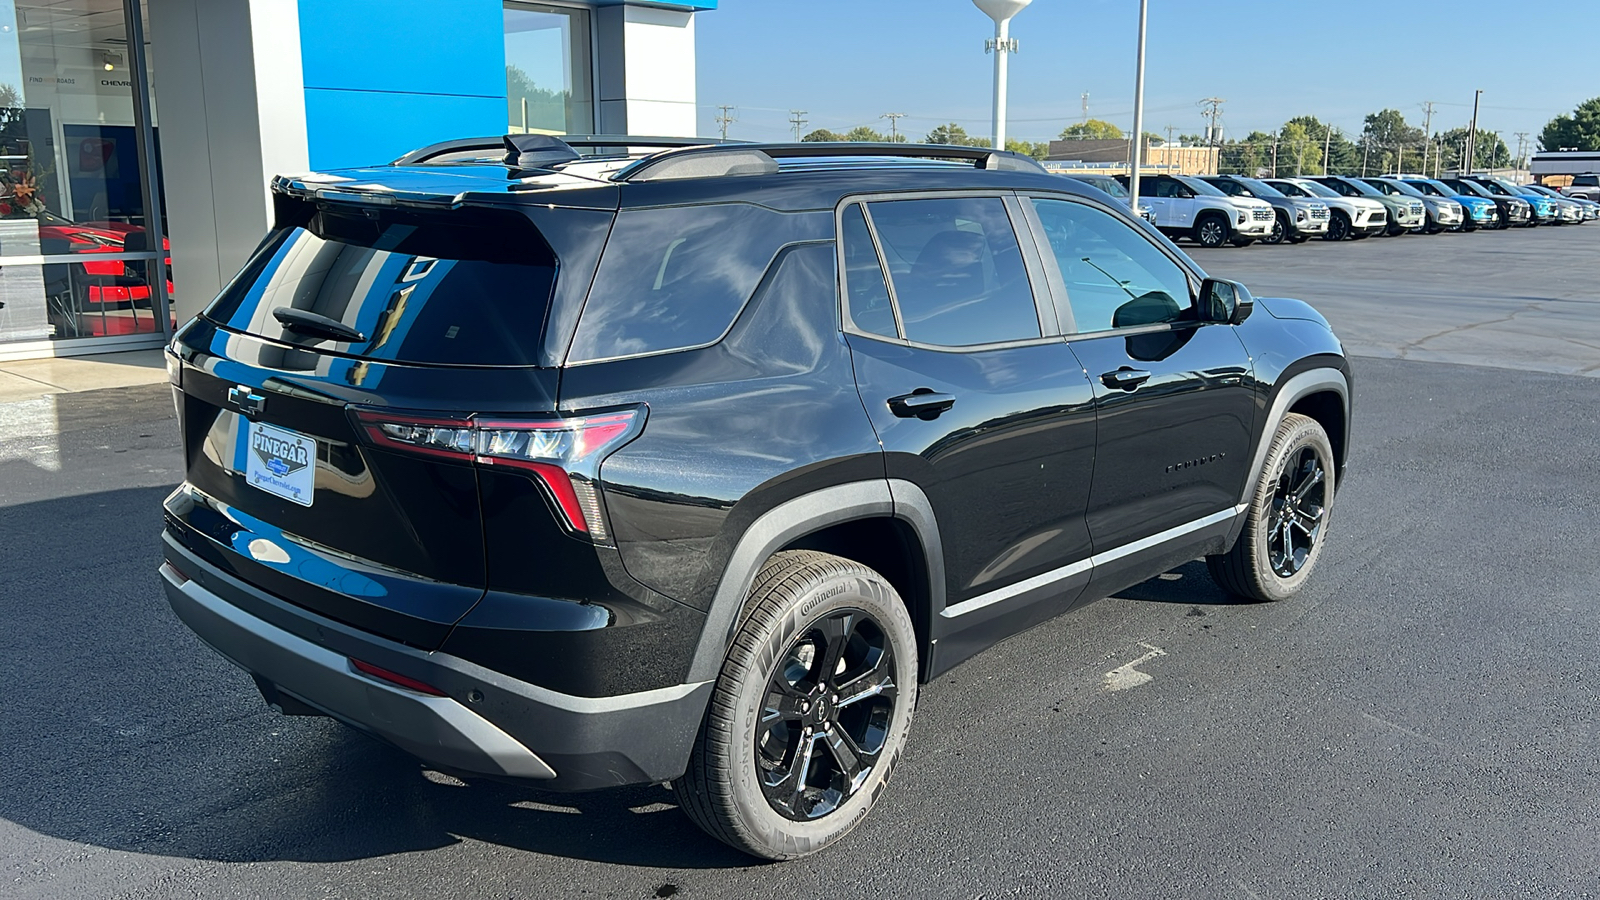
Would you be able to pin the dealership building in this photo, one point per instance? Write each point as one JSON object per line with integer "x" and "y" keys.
{"x": 128, "y": 126}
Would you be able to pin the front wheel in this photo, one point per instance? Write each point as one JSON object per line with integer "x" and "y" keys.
{"x": 810, "y": 711}
{"x": 1338, "y": 227}
{"x": 1211, "y": 231}
{"x": 1287, "y": 518}
{"x": 1279, "y": 232}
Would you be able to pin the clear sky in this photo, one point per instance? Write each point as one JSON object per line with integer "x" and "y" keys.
{"x": 846, "y": 62}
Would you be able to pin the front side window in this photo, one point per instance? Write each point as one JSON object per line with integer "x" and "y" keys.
{"x": 1115, "y": 277}
{"x": 957, "y": 271}
{"x": 548, "y": 84}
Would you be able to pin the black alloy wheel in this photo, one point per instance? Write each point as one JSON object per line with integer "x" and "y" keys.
{"x": 1299, "y": 505}
{"x": 810, "y": 711}
{"x": 1286, "y": 518}
{"x": 1211, "y": 231}
{"x": 1338, "y": 227}
{"x": 826, "y": 717}
{"x": 1280, "y": 230}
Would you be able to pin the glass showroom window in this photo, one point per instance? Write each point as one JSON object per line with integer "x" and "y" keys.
{"x": 549, "y": 85}
{"x": 76, "y": 258}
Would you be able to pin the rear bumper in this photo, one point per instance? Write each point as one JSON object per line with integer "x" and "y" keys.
{"x": 485, "y": 724}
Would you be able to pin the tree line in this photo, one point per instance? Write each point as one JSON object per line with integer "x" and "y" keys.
{"x": 948, "y": 133}
{"x": 1304, "y": 145}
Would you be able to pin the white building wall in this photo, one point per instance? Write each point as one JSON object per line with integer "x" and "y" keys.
{"x": 647, "y": 71}
{"x": 232, "y": 116}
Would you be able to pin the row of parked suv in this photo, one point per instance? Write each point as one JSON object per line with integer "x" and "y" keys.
{"x": 1215, "y": 210}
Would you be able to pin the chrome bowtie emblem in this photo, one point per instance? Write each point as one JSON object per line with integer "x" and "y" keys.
{"x": 246, "y": 401}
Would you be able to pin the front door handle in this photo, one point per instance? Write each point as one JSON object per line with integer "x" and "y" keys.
{"x": 1125, "y": 379}
{"x": 922, "y": 403}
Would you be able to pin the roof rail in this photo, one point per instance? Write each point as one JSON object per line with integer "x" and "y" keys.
{"x": 753, "y": 159}
{"x": 486, "y": 146}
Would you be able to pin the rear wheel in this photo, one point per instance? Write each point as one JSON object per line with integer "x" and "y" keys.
{"x": 1288, "y": 516}
{"x": 1338, "y": 227}
{"x": 810, "y": 711}
{"x": 1211, "y": 230}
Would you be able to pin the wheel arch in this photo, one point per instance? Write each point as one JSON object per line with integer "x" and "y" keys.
{"x": 1317, "y": 392}
{"x": 887, "y": 525}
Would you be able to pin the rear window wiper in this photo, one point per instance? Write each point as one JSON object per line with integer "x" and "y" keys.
{"x": 306, "y": 322}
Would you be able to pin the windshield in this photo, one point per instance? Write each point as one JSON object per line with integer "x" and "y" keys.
{"x": 1403, "y": 188}
{"x": 1362, "y": 188}
{"x": 1199, "y": 187}
{"x": 1287, "y": 189}
{"x": 1318, "y": 189}
{"x": 1469, "y": 188}
{"x": 1544, "y": 191}
{"x": 1260, "y": 188}
{"x": 1430, "y": 187}
{"x": 1109, "y": 185}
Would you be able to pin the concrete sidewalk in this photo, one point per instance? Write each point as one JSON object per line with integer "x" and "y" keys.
{"x": 33, "y": 378}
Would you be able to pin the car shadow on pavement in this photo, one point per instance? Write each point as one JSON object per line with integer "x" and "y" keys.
{"x": 122, "y": 730}
{"x": 1189, "y": 584}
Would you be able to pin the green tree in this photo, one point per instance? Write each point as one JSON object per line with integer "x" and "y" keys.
{"x": 949, "y": 133}
{"x": 1344, "y": 155}
{"x": 1093, "y": 129}
{"x": 1251, "y": 156}
{"x": 863, "y": 133}
{"x": 823, "y": 134}
{"x": 547, "y": 109}
{"x": 1037, "y": 150}
{"x": 1579, "y": 131}
{"x": 1490, "y": 150}
{"x": 1387, "y": 135}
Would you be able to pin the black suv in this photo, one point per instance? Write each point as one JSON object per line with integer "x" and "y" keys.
{"x": 690, "y": 463}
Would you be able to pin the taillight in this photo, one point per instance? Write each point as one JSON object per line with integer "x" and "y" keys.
{"x": 564, "y": 454}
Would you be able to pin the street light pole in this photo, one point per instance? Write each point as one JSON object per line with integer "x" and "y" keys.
{"x": 1136, "y": 159}
{"x": 1472, "y": 135}
{"x": 1001, "y": 45}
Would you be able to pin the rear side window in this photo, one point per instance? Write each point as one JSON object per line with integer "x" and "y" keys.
{"x": 1586, "y": 181}
{"x": 417, "y": 288}
{"x": 957, "y": 271}
{"x": 870, "y": 310}
{"x": 675, "y": 278}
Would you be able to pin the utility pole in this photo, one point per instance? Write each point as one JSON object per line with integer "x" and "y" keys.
{"x": 1427, "y": 133}
{"x": 797, "y": 119}
{"x": 1365, "y": 145}
{"x": 894, "y": 124}
{"x": 1274, "y": 155}
{"x": 1084, "y": 98}
{"x": 1399, "y": 159}
{"x": 1522, "y": 145}
{"x": 1472, "y": 136}
{"x": 1327, "y": 145}
{"x": 1212, "y": 132}
{"x": 724, "y": 120}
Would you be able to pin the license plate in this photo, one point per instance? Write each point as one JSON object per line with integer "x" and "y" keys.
{"x": 280, "y": 462}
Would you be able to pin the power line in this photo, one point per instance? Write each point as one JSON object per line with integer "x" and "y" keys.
{"x": 724, "y": 120}
{"x": 1084, "y": 99}
{"x": 797, "y": 118}
{"x": 1216, "y": 110}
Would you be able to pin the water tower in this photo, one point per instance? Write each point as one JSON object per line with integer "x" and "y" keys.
{"x": 1001, "y": 45}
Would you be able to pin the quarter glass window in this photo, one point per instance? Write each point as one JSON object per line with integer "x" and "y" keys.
{"x": 957, "y": 271}
{"x": 1115, "y": 278}
{"x": 869, "y": 293}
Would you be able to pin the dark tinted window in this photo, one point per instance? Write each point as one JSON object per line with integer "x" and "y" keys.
{"x": 423, "y": 289}
{"x": 677, "y": 277}
{"x": 957, "y": 271}
{"x": 1585, "y": 180}
{"x": 1115, "y": 277}
{"x": 869, "y": 293}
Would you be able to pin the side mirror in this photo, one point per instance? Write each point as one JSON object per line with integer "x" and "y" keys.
{"x": 1185, "y": 194}
{"x": 1227, "y": 301}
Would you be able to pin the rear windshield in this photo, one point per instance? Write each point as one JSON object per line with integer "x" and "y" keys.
{"x": 439, "y": 289}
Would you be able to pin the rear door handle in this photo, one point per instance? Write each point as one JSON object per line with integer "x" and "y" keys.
{"x": 922, "y": 403}
{"x": 1125, "y": 378}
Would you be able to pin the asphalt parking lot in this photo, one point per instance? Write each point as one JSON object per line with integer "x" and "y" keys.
{"x": 1419, "y": 723}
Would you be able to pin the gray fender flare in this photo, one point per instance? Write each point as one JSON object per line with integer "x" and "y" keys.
{"x": 797, "y": 518}
{"x": 1302, "y": 385}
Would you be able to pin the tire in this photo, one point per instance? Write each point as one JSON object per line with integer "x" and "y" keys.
{"x": 748, "y": 784}
{"x": 1432, "y": 226}
{"x": 1300, "y": 239}
{"x": 1211, "y": 230}
{"x": 1280, "y": 230}
{"x": 1242, "y": 242}
{"x": 1338, "y": 227}
{"x": 1269, "y": 561}
{"x": 1502, "y": 220}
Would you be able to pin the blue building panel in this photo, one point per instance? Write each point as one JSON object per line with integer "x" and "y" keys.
{"x": 407, "y": 46}
{"x": 358, "y": 128}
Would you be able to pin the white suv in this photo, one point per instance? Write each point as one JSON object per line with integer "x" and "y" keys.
{"x": 1186, "y": 207}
